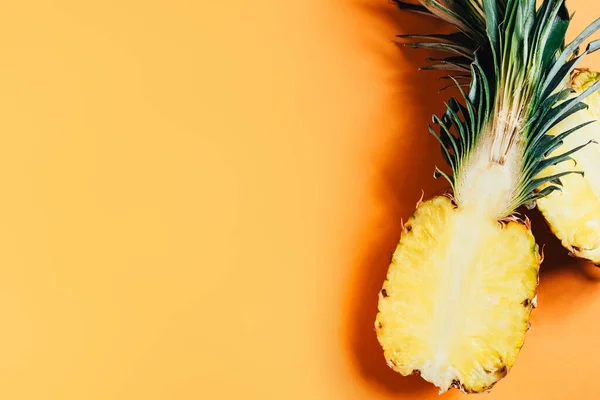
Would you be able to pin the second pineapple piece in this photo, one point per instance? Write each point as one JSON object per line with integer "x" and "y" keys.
{"x": 573, "y": 213}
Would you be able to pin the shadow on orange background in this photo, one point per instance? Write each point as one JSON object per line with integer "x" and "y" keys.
{"x": 404, "y": 177}
{"x": 401, "y": 182}
{"x": 564, "y": 281}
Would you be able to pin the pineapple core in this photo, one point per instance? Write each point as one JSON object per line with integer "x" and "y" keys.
{"x": 456, "y": 302}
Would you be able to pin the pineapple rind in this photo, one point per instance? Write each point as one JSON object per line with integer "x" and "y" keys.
{"x": 458, "y": 324}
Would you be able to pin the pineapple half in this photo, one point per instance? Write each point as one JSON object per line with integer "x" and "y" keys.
{"x": 456, "y": 302}
{"x": 573, "y": 213}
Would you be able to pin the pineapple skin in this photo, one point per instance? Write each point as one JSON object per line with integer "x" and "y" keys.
{"x": 459, "y": 291}
{"x": 573, "y": 214}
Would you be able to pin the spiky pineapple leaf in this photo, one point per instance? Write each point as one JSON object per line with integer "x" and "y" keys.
{"x": 457, "y": 38}
{"x": 416, "y": 8}
{"x": 557, "y": 33}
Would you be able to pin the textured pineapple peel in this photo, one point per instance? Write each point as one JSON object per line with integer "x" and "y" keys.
{"x": 456, "y": 311}
{"x": 573, "y": 213}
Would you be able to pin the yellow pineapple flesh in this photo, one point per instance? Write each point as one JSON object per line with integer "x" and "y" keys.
{"x": 573, "y": 213}
{"x": 456, "y": 302}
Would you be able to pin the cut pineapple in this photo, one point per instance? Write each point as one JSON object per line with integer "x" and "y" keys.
{"x": 456, "y": 302}
{"x": 456, "y": 311}
{"x": 573, "y": 213}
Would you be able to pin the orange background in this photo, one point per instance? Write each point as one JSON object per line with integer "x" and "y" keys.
{"x": 199, "y": 201}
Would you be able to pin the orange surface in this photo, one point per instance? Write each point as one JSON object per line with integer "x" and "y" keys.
{"x": 200, "y": 199}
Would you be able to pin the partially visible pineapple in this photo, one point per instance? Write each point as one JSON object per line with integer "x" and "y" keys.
{"x": 456, "y": 302}
{"x": 573, "y": 213}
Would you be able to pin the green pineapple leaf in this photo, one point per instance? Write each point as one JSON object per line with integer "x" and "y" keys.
{"x": 519, "y": 67}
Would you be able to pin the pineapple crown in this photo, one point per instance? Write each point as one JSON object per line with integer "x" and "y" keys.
{"x": 517, "y": 65}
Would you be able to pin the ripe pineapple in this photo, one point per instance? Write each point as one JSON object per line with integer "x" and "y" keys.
{"x": 456, "y": 302}
{"x": 573, "y": 214}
